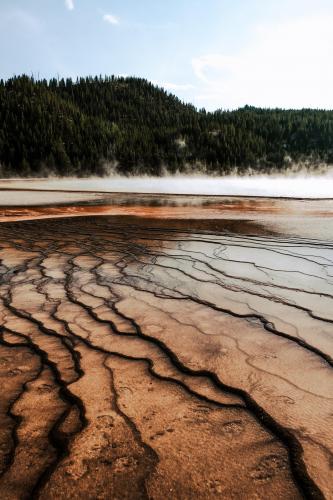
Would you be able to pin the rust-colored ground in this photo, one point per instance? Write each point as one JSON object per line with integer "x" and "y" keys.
{"x": 142, "y": 358}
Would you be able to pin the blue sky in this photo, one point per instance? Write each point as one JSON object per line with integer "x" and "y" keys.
{"x": 214, "y": 53}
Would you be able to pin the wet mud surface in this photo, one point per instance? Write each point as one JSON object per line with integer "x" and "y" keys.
{"x": 150, "y": 358}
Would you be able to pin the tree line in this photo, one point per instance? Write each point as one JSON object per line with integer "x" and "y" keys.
{"x": 86, "y": 126}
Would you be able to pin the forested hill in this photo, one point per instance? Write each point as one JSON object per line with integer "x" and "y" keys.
{"x": 83, "y": 127}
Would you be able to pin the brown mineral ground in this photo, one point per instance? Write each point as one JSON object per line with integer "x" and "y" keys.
{"x": 171, "y": 350}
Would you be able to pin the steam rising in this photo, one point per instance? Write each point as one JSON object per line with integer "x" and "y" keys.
{"x": 311, "y": 186}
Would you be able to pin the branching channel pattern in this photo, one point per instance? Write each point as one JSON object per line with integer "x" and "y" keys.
{"x": 140, "y": 361}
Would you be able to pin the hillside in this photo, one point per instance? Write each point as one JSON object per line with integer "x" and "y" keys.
{"x": 84, "y": 127}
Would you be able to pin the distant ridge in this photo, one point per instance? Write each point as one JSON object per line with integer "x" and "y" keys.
{"x": 92, "y": 126}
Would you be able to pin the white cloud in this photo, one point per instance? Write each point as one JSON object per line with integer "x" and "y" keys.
{"x": 284, "y": 65}
{"x": 69, "y": 4}
{"x": 217, "y": 62}
{"x": 109, "y": 18}
{"x": 23, "y": 20}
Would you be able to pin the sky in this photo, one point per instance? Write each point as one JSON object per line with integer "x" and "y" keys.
{"x": 212, "y": 53}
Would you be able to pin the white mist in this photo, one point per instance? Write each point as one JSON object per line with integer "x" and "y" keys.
{"x": 297, "y": 186}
